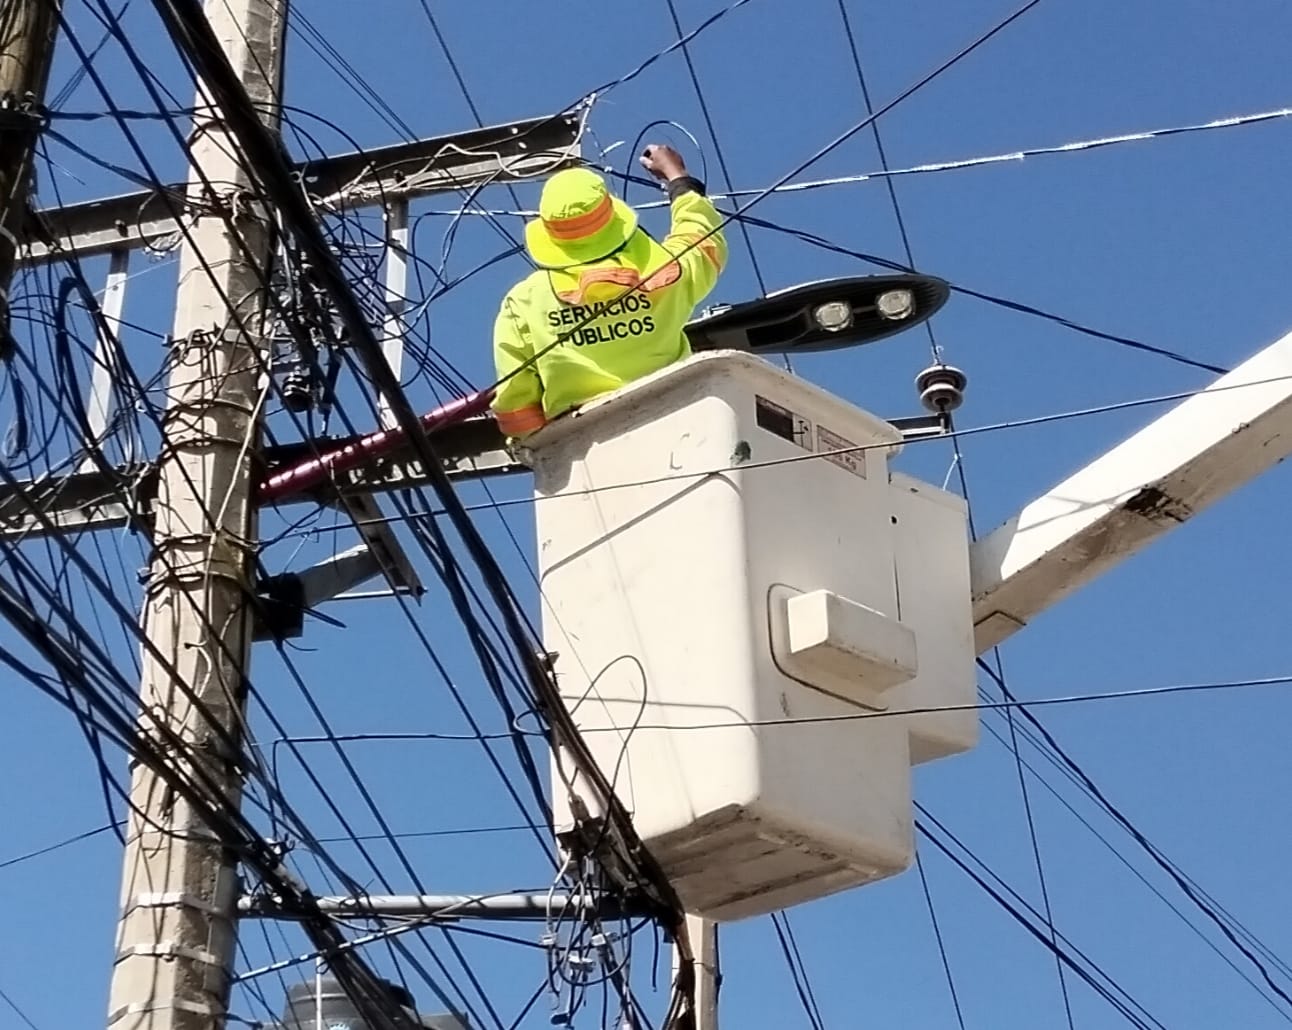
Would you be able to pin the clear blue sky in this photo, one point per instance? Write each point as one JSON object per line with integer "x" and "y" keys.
{"x": 1179, "y": 242}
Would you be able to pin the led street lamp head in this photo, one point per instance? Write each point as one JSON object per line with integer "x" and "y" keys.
{"x": 821, "y": 316}
{"x": 833, "y": 316}
{"x": 895, "y": 304}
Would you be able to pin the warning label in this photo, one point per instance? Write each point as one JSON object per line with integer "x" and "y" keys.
{"x": 828, "y": 443}
{"x": 784, "y": 423}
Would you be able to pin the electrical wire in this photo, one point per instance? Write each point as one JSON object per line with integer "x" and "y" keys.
{"x": 1025, "y": 793}
{"x": 1011, "y": 157}
{"x": 1137, "y": 693}
{"x": 1095, "y": 977}
{"x": 194, "y": 785}
{"x": 495, "y": 657}
{"x": 812, "y": 159}
{"x": 4, "y": 996}
{"x": 713, "y": 136}
{"x": 937, "y": 936}
{"x": 1139, "y": 876}
{"x": 49, "y": 849}
{"x": 326, "y": 796}
{"x": 883, "y": 158}
{"x": 183, "y": 19}
{"x": 1168, "y": 867}
{"x": 992, "y": 427}
{"x": 798, "y": 972}
{"x": 1025, "y": 309}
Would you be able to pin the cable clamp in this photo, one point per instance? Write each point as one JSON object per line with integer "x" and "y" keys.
{"x": 171, "y": 950}
{"x": 178, "y": 1005}
{"x": 177, "y": 899}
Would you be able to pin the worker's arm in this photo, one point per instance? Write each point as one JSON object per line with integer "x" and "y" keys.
{"x": 518, "y": 403}
{"x": 696, "y": 234}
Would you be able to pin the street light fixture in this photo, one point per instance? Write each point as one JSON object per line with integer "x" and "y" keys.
{"x": 819, "y": 316}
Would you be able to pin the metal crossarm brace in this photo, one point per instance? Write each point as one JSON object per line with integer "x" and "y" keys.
{"x": 451, "y": 907}
{"x": 471, "y": 449}
{"x": 389, "y": 177}
{"x": 96, "y": 500}
{"x": 368, "y": 178}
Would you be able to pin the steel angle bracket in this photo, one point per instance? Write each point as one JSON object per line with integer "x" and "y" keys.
{"x": 83, "y": 501}
{"x": 286, "y": 598}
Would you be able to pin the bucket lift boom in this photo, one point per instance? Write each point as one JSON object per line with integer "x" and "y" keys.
{"x": 1209, "y": 445}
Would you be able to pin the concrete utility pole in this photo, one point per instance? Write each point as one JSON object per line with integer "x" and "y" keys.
{"x": 176, "y": 936}
{"x": 27, "y": 30}
{"x": 702, "y": 935}
{"x": 704, "y": 945}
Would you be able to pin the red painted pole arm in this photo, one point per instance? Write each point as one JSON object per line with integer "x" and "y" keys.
{"x": 308, "y": 474}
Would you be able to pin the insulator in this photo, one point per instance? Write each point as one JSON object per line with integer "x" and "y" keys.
{"x": 298, "y": 392}
{"x": 941, "y": 388}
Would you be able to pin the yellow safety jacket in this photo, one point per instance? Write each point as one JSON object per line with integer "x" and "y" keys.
{"x": 566, "y": 336}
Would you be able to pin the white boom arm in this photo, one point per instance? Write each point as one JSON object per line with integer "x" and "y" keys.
{"x": 1193, "y": 455}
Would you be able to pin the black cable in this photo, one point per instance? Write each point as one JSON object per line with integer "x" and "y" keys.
{"x": 1033, "y": 836}
{"x": 793, "y": 959}
{"x": 50, "y": 848}
{"x": 475, "y": 113}
{"x": 93, "y": 577}
{"x": 192, "y": 33}
{"x": 69, "y": 654}
{"x": 1110, "y": 991}
{"x": 1243, "y": 931}
{"x": 1167, "y": 866}
{"x": 942, "y": 947}
{"x": 824, "y": 151}
{"x": 883, "y": 159}
{"x": 1112, "y": 848}
{"x": 1037, "y": 862}
{"x": 314, "y": 38}
{"x": 1026, "y": 309}
{"x": 17, "y": 1011}
{"x": 713, "y": 19}
{"x": 296, "y": 676}
{"x": 394, "y": 843}
{"x": 713, "y": 135}
{"x": 74, "y": 80}
{"x": 525, "y": 758}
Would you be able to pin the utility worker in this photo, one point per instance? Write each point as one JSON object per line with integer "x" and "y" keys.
{"x": 608, "y": 303}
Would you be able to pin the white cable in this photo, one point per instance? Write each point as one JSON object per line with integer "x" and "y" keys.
{"x": 957, "y": 165}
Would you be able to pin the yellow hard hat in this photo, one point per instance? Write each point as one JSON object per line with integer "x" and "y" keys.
{"x": 579, "y": 221}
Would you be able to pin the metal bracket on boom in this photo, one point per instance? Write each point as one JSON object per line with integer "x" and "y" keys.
{"x": 921, "y": 427}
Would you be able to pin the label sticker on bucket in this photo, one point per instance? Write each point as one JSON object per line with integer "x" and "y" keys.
{"x": 784, "y": 423}
{"x": 852, "y": 460}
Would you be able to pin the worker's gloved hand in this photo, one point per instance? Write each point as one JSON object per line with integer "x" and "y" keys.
{"x": 663, "y": 162}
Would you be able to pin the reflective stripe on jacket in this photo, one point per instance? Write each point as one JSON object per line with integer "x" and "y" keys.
{"x": 565, "y": 337}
